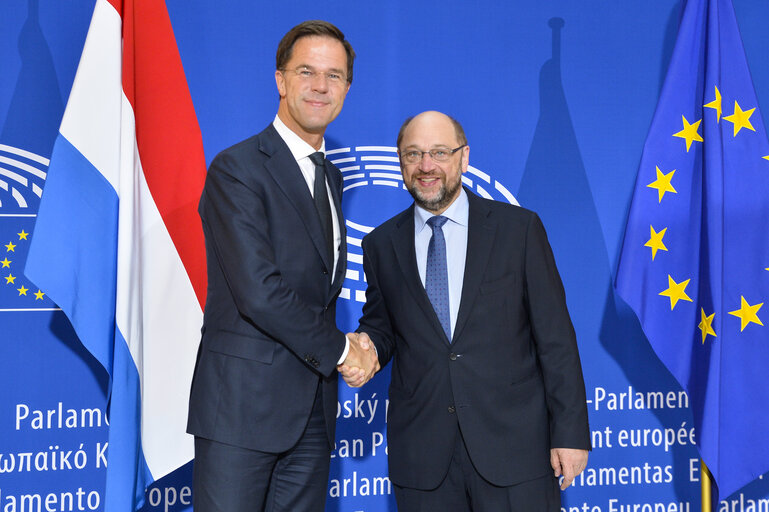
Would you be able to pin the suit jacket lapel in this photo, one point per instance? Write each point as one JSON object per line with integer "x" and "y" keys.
{"x": 403, "y": 245}
{"x": 285, "y": 171}
{"x": 480, "y": 238}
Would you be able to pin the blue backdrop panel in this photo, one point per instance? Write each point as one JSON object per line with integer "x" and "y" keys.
{"x": 556, "y": 99}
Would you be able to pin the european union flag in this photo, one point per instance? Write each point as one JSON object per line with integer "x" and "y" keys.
{"x": 695, "y": 260}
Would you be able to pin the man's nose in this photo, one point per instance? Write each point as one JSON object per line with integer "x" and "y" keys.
{"x": 320, "y": 82}
{"x": 426, "y": 163}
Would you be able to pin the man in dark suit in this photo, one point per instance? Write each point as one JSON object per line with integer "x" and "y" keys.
{"x": 264, "y": 393}
{"x": 487, "y": 401}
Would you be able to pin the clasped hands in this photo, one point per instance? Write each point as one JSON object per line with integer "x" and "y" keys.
{"x": 362, "y": 361}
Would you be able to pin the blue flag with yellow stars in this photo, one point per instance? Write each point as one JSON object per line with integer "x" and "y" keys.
{"x": 695, "y": 260}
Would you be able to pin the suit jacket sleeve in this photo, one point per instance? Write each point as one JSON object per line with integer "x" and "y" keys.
{"x": 555, "y": 342}
{"x": 236, "y": 221}
{"x": 375, "y": 320}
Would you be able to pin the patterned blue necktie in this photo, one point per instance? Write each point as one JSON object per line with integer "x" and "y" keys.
{"x": 437, "y": 275}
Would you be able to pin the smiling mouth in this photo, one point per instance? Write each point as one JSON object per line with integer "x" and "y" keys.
{"x": 316, "y": 104}
{"x": 428, "y": 180}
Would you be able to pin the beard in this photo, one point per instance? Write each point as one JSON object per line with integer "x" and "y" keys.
{"x": 443, "y": 198}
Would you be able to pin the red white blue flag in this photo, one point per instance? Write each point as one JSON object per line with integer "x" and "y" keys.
{"x": 118, "y": 244}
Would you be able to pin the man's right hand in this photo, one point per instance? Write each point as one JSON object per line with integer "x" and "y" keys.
{"x": 362, "y": 361}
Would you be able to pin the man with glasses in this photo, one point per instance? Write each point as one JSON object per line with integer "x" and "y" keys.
{"x": 264, "y": 393}
{"x": 487, "y": 400}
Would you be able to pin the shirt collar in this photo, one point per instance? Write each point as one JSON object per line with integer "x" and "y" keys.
{"x": 458, "y": 212}
{"x": 299, "y": 148}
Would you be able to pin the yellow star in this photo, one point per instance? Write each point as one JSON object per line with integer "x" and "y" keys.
{"x": 716, "y": 104}
{"x": 9, "y": 247}
{"x": 39, "y": 295}
{"x": 765, "y": 157}
{"x": 655, "y": 242}
{"x": 22, "y": 235}
{"x": 706, "y": 325}
{"x": 662, "y": 183}
{"x": 740, "y": 118}
{"x": 10, "y": 278}
{"x": 747, "y": 313}
{"x": 6, "y": 263}
{"x": 676, "y": 291}
{"x": 22, "y": 290}
{"x": 690, "y": 132}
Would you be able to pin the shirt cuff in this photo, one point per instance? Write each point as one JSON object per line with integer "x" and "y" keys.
{"x": 346, "y": 350}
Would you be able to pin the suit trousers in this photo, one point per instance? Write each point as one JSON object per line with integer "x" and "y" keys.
{"x": 233, "y": 479}
{"x": 465, "y": 490}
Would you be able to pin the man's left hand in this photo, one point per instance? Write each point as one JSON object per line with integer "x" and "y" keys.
{"x": 568, "y": 462}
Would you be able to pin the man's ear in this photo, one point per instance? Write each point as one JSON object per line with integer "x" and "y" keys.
{"x": 280, "y": 81}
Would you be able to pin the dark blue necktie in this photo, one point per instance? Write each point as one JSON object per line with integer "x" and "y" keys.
{"x": 320, "y": 195}
{"x": 437, "y": 275}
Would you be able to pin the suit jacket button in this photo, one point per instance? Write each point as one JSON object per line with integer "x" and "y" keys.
{"x": 451, "y": 409}
{"x": 453, "y": 356}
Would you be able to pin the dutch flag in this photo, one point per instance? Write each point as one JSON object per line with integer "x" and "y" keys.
{"x": 118, "y": 244}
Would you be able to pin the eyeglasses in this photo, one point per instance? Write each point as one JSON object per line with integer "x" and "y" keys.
{"x": 413, "y": 156}
{"x": 308, "y": 74}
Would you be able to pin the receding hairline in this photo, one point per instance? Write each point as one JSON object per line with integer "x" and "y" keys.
{"x": 459, "y": 132}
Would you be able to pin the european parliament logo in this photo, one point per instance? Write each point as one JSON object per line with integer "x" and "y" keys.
{"x": 374, "y": 192}
{"x": 22, "y": 177}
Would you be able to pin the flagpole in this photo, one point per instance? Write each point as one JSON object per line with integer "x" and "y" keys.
{"x": 705, "y": 487}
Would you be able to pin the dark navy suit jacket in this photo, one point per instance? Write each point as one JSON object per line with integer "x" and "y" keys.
{"x": 269, "y": 329}
{"x": 511, "y": 378}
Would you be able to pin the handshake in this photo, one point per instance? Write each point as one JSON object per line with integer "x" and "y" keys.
{"x": 362, "y": 361}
